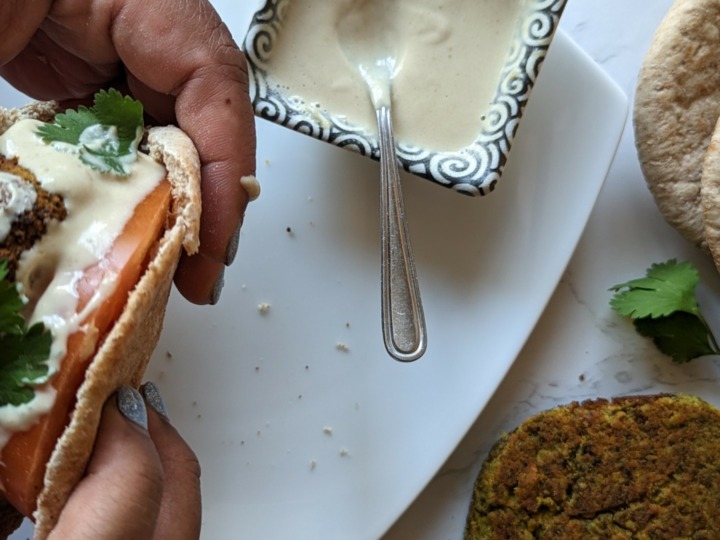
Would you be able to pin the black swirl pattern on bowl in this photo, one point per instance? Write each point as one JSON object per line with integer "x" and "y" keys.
{"x": 474, "y": 170}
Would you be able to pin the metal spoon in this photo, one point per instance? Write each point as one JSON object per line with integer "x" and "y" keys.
{"x": 403, "y": 319}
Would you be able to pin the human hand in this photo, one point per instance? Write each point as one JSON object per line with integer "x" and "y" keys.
{"x": 180, "y": 60}
{"x": 141, "y": 482}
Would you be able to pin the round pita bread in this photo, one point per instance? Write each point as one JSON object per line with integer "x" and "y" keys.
{"x": 677, "y": 105}
{"x": 126, "y": 351}
{"x": 710, "y": 191}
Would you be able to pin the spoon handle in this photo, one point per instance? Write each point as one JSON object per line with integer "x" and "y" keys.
{"x": 403, "y": 319}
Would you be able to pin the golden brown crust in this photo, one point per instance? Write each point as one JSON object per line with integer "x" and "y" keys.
{"x": 631, "y": 467}
{"x": 677, "y": 104}
{"x": 126, "y": 351}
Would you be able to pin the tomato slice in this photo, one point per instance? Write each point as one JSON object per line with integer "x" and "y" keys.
{"x": 25, "y": 455}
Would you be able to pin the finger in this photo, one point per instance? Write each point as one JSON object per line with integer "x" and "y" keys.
{"x": 180, "y": 511}
{"x": 120, "y": 495}
{"x": 18, "y": 21}
{"x": 200, "y": 279}
{"x": 198, "y": 62}
{"x": 45, "y": 70}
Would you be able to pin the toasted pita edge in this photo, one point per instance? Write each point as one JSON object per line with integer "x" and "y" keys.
{"x": 677, "y": 104}
{"x": 710, "y": 191}
{"x": 126, "y": 351}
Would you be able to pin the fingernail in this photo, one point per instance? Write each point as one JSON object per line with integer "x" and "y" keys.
{"x": 153, "y": 398}
{"x": 131, "y": 405}
{"x": 217, "y": 289}
{"x": 232, "y": 247}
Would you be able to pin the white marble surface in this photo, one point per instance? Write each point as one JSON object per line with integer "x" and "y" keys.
{"x": 580, "y": 348}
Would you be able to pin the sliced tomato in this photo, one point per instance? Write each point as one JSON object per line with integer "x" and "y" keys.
{"x": 26, "y": 453}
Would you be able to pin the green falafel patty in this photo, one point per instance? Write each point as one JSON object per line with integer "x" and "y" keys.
{"x": 630, "y": 467}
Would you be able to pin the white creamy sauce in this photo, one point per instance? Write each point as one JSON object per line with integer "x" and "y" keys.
{"x": 98, "y": 207}
{"x": 16, "y": 197}
{"x": 448, "y": 56}
{"x": 251, "y": 185}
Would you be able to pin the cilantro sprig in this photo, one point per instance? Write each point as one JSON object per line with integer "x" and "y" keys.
{"x": 107, "y": 134}
{"x": 23, "y": 351}
{"x": 663, "y": 306}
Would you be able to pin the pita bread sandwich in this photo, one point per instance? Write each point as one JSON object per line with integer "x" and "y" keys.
{"x": 677, "y": 105}
{"x": 95, "y": 211}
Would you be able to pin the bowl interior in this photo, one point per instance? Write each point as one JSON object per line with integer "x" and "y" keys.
{"x": 478, "y": 84}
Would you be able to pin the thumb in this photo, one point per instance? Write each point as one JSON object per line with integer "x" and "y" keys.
{"x": 120, "y": 495}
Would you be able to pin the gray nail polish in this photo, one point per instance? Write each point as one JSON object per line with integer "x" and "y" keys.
{"x": 131, "y": 405}
{"x": 217, "y": 289}
{"x": 153, "y": 398}
{"x": 232, "y": 247}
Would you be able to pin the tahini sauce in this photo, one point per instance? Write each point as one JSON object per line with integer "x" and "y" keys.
{"x": 98, "y": 207}
{"x": 450, "y": 53}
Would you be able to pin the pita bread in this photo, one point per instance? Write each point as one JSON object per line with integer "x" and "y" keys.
{"x": 677, "y": 105}
{"x": 710, "y": 191}
{"x": 126, "y": 351}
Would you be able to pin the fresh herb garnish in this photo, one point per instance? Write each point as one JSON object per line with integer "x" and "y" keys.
{"x": 107, "y": 133}
{"x": 663, "y": 307}
{"x": 23, "y": 351}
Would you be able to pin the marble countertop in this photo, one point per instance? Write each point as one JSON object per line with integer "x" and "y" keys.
{"x": 580, "y": 349}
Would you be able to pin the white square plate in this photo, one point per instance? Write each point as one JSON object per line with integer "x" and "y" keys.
{"x": 300, "y": 438}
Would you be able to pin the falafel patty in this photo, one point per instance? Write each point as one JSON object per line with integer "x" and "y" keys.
{"x": 631, "y": 467}
{"x": 29, "y": 226}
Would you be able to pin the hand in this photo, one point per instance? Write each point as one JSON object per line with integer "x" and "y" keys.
{"x": 141, "y": 482}
{"x": 180, "y": 60}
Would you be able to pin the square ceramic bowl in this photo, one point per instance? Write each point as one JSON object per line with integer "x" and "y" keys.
{"x": 301, "y": 33}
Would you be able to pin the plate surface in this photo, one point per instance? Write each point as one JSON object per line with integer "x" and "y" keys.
{"x": 304, "y": 426}
{"x": 472, "y": 170}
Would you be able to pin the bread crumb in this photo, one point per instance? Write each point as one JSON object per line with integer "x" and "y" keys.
{"x": 344, "y": 452}
{"x": 340, "y": 346}
{"x": 313, "y": 464}
{"x": 263, "y": 308}
{"x": 327, "y": 430}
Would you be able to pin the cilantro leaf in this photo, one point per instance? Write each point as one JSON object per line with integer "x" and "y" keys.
{"x": 107, "y": 134}
{"x": 24, "y": 351}
{"x": 24, "y": 364}
{"x": 11, "y": 321}
{"x": 664, "y": 308}
{"x": 123, "y": 112}
{"x": 666, "y": 288}
{"x": 681, "y": 336}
